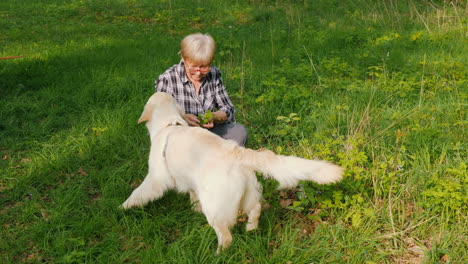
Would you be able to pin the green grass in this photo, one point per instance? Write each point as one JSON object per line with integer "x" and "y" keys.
{"x": 379, "y": 87}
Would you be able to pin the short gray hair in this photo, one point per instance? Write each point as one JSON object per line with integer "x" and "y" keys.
{"x": 198, "y": 48}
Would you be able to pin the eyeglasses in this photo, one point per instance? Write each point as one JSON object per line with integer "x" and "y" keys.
{"x": 201, "y": 69}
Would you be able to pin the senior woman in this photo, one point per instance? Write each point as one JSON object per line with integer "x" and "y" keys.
{"x": 197, "y": 87}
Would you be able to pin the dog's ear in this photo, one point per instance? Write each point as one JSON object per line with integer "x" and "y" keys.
{"x": 146, "y": 115}
{"x": 142, "y": 118}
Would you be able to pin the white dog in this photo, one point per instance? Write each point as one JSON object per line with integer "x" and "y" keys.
{"x": 219, "y": 174}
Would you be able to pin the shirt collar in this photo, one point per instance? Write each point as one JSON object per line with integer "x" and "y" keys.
{"x": 182, "y": 73}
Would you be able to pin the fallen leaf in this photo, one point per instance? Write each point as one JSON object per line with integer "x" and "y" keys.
{"x": 242, "y": 219}
{"x": 445, "y": 258}
{"x": 285, "y": 202}
{"x": 82, "y": 172}
{"x": 45, "y": 215}
{"x": 409, "y": 241}
{"x": 7, "y": 156}
{"x": 94, "y": 197}
{"x": 416, "y": 250}
{"x": 136, "y": 183}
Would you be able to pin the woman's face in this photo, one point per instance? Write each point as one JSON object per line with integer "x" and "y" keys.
{"x": 195, "y": 71}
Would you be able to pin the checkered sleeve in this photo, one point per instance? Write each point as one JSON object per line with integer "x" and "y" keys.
{"x": 161, "y": 84}
{"x": 222, "y": 98}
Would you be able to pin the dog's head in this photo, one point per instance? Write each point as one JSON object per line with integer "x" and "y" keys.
{"x": 162, "y": 110}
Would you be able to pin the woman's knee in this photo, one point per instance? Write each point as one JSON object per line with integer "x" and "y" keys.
{"x": 239, "y": 134}
{"x": 232, "y": 131}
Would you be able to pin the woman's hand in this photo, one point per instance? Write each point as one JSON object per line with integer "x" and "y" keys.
{"x": 218, "y": 117}
{"x": 209, "y": 125}
{"x": 192, "y": 120}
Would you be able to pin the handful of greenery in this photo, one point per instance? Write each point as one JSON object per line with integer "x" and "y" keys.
{"x": 206, "y": 117}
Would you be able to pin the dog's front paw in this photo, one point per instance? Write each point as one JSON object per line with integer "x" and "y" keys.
{"x": 127, "y": 204}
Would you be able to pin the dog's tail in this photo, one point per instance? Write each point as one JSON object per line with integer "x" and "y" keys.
{"x": 289, "y": 170}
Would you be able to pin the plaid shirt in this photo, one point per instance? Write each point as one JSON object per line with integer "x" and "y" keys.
{"x": 212, "y": 94}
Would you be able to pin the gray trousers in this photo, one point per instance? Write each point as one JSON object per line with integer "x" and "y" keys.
{"x": 232, "y": 131}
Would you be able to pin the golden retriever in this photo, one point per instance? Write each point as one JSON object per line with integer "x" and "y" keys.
{"x": 219, "y": 174}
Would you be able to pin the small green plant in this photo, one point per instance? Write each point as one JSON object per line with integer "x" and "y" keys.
{"x": 287, "y": 126}
{"x": 447, "y": 191}
{"x": 205, "y": 118}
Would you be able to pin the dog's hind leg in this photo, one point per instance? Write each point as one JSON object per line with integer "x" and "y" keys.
{"x": 251, "y": 203}
{"x": 224, "y": 236}
{"x": 253, "y": 216}
{"x": 220, "y": 201}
